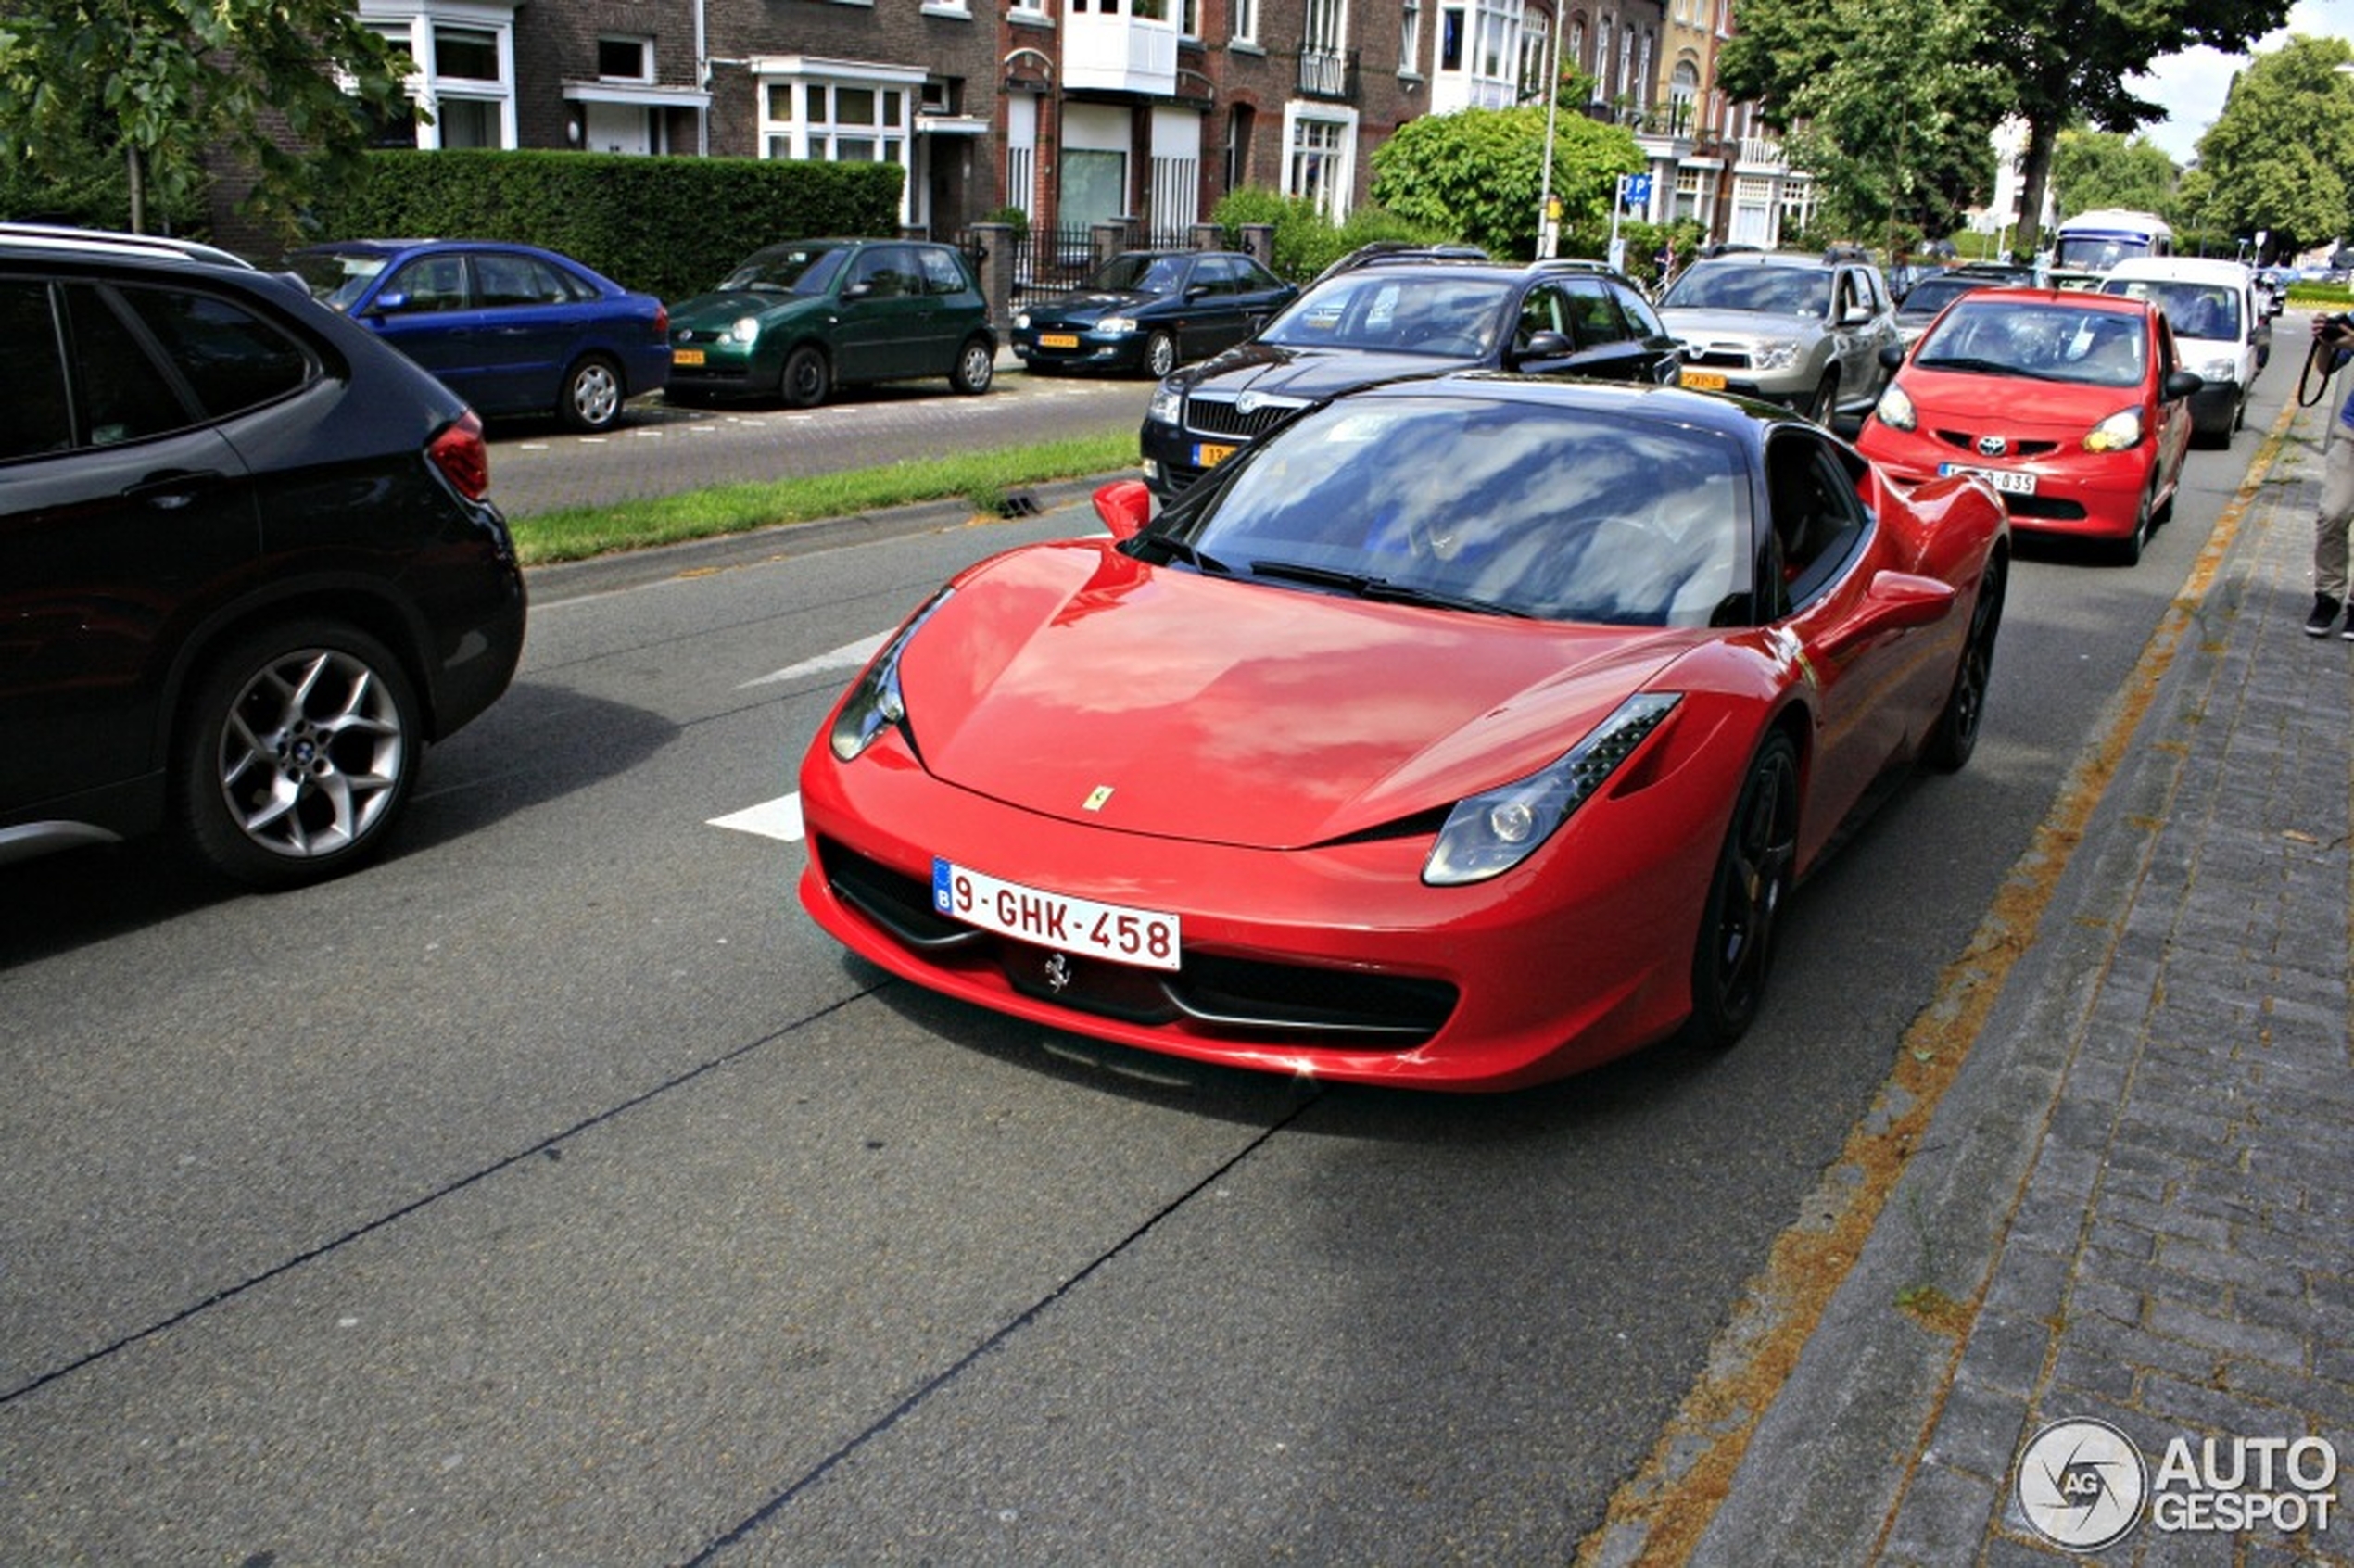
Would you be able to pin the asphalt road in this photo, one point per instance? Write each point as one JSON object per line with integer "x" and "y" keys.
{"x": 660, "y": 449}
{"x": 555, "y": 1191}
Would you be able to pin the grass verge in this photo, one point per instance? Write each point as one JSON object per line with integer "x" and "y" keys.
{"x": 576, "y": 532}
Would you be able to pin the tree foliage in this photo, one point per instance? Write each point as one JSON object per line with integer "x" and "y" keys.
{"x": 2279, "y": 160}
{"x": 1480, "y": 173}
{"x": 1885, "y": 105}
{"x": 2095, "y": 168}
{"x": 286, "y": 86}
{"x": 2056, "y": 62}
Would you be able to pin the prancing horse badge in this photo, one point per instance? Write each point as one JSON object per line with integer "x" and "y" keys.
{"x": 1096, "y": 799}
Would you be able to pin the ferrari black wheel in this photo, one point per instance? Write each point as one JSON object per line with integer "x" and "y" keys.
{"x": 1746, "y": 897}
{"x": 1955, "y": 737}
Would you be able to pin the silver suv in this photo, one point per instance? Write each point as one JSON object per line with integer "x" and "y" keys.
{"x": 1802, "y": 331}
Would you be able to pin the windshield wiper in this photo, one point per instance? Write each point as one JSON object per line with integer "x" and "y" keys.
{"x": 1177, "y": 548}
{"x": 1379, "y": 589}
{"x": 1980, "y": 367}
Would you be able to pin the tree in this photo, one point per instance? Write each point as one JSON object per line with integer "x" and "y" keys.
{"x": 156, "y": 82}
{"x": 2280, "y": 157}
{"x": 1882, "y": 105}
{"x": 2059, "y": 61}
{"x": 1479, "y": 172}
{"x": 2094, "y": 169}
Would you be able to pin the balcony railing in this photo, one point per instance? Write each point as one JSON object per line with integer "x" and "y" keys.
{"x": 1328, "y": 73}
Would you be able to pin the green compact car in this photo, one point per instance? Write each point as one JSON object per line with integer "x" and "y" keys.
{"x": 795, "y": 321}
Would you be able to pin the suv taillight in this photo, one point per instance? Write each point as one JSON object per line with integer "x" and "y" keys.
{"x": 463, "y": 456}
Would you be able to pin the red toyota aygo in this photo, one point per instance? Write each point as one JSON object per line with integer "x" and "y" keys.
{"x": 2074, "y": 406}
{"x": 1465, "y": 733}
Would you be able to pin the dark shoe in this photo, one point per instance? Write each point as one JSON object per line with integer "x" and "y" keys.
{"x": 2325, "y": 611}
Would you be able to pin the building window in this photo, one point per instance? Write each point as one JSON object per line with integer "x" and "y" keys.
{"x": 465, "y": 53}
{"x": 1319, "y": 167}
{"x": 1410, "y": 38}
{"x": 1535, "y": 36}
{"x": 625, "y": 59}
{"x": 1246, "y": 20}
{"x": 835, "y": 122}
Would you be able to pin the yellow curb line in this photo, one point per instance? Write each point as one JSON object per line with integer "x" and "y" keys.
{"x": 1672, "y": 1497}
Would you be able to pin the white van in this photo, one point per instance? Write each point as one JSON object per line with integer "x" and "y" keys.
{"x": 2220, "y": 330}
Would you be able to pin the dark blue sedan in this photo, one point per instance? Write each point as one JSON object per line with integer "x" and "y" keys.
{"x": 510, "y": 328}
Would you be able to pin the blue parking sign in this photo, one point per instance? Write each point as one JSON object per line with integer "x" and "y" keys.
{"x": 1637, "y": 189}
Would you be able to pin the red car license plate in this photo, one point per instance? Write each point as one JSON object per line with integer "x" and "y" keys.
{"x": 1121, "y": 935}
{"x": 2010, "y": 480}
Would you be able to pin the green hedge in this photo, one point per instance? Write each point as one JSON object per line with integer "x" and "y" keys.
{"x": 671, "y": 226}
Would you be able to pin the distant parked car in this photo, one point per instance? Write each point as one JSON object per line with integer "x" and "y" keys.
{"x": 1151, "y": 311}
{"x": 796, "y": 320}
{"x": 1802, "y": 331}
{"x": 1398, "y": 314}
{"x": 2220, "y": 329}
{"x": 513, "y": 329}
{"x": 248, "y": 564}
{"x": 2072, "y": 404}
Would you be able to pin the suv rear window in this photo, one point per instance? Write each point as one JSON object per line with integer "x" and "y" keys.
{"x": 33, "y": 395}
{"x": 232, "y": 360}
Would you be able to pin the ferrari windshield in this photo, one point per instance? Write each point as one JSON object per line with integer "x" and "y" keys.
{"x": 1752, "y": 285}
{"x": 1483, "y": 504}
{"x": 1453, "y": 317}
{"x": 2061, "y": 341}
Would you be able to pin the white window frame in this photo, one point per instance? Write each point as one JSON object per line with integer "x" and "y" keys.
{"x": 413, "y": 25}
{"x": 645, "y": 71}
{"x": 1333, "y": 193}
{"x": 821, "y": 139}
{"x": 1410, "y": 38}
{"x": 1243, "y": 17}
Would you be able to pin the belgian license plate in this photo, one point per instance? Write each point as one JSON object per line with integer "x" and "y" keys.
{"x": 689, "y": 357}
{"x": 2007, "y": 480}
{"x": 1144, "y": 938}
{"x": 1059, "y": 340}
{"x": 1209, "y": 454}
{"x": 1701, "y": 381}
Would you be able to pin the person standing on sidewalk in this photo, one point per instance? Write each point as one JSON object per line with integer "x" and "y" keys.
{"x": 2332, "y": 346}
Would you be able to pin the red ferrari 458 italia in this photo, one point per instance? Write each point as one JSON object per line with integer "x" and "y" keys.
{"x": 1466, "y": 733}
{"x": 2073, "y": 405}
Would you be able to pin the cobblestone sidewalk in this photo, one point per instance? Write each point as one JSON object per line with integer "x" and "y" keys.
{"x": 2167, "y": 1241}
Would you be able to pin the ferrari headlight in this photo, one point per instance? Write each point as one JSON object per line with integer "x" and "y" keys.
{"x": 2119, "y": 432}
{"x": 1774, "y": 354}
{"x": 876, "y": 704}
{"x": 1167, "y": 406}
{"x": 745, "y": 330}
{"x": 1116, "y": 325}
{"x": 1491, "y": 833}
{"x": 1895, "y": 410}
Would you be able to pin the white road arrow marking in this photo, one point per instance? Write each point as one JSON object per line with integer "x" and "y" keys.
{"x": 849, "y": 656}
{"x": 779, "y": 818}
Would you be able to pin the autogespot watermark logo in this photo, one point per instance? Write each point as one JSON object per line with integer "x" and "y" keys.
{"x": 2082, "y": 1485}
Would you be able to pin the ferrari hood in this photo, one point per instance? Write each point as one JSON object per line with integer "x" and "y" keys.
{"x": 1309, "y": 373}
{"x": 1076, "y": 682}
{"x": 1958, "y": 399}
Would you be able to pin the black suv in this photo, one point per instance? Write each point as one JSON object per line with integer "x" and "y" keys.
{"x": 248, "y": 567}
{"x": 1402, "y": 313}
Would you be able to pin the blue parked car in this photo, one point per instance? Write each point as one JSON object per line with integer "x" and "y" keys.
{"x": 510, "y": 328}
